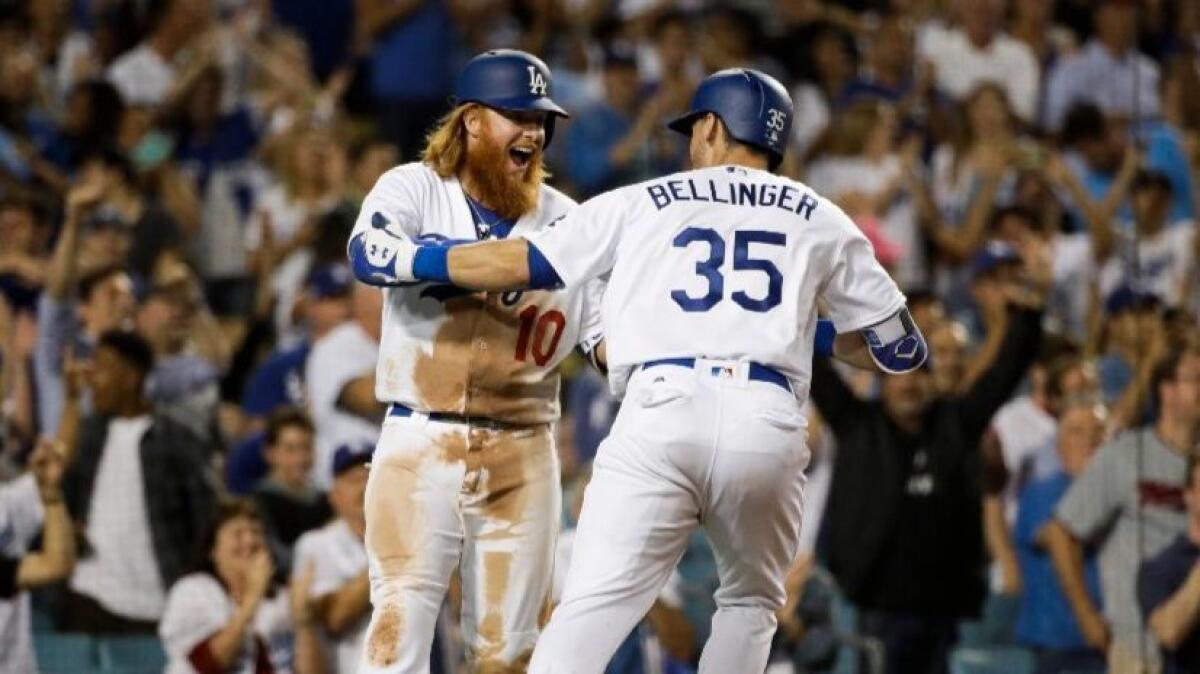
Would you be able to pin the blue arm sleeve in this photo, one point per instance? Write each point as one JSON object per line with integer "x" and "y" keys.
{"x": 542, "y": 275}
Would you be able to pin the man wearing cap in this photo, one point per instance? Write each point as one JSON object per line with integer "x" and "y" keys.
{"x": 1165, "y": 251}
{"x": 465, "y": 472}
{"x": 340, "y": 587}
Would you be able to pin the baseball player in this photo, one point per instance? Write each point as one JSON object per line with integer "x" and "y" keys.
{"x": 465, "y": 472}
{"x": 710, "y": 317}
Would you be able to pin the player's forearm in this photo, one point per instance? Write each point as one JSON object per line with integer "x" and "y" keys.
{"x": 493, "y": 266}
{"x": 851, "y": 349}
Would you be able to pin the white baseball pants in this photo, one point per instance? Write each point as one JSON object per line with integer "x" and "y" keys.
{"x": 445, "y": 495}
{"x": 691, "y": 446}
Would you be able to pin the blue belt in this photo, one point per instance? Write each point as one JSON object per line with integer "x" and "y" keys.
{"x": 403, "y": 411}
{"x": 757, "y": 372}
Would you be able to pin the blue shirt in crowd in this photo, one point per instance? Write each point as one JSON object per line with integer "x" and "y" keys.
{"x": 277, "y": 382}
{"x": 412, "y": 61}
{"x": 1046, "y": 619}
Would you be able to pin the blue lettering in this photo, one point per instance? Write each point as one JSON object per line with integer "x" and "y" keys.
{"x": 658, "y": 194}
{"x": 784, "y": 194}
{"x": 677, "y": 190}
{"x": 766, "y": 192}
{"x": 695, "y": 195}
{"x": 807, "y": 203}
{"x": 746, "y": 195}
{"x": 712, "y": 190}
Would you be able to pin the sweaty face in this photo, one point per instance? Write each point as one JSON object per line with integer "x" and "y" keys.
{"x": 504, "y": 159}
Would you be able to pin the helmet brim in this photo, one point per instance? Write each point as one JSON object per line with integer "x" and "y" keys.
{"x": 684, "y": 124}
{"x": 521, "y": 104}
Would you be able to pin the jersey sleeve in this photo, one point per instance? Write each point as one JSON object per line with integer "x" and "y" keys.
{"x": 395, "y": 203}
{"x": 582, "y": 245}
{"x": 858, "y": 290}
{"x": 591, "y": 330}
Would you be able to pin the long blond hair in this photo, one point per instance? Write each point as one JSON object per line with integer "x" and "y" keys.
{"x": 446, "y": 146}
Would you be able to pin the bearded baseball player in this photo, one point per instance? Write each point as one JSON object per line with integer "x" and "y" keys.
{"x": 710, "y": 317}
{"x": 465, "y": 473}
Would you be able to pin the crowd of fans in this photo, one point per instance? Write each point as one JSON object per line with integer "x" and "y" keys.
{"x": 188, "y": 368}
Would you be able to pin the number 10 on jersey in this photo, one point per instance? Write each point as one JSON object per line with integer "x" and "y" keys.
{"x": 712, "y": 268}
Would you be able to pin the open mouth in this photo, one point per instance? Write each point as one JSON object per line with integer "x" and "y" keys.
{"x": 521, "y": 156}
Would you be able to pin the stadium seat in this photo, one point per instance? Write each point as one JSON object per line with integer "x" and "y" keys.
{"x": 132, "y": 655}
{"x": 999, "y": 660}
{"x": 59, "y": 653}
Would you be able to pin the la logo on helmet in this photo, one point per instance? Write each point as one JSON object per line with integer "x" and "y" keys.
{"x": 537, "y": 83}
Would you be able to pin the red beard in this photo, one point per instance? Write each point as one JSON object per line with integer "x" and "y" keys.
{"x": 507, "y": 195}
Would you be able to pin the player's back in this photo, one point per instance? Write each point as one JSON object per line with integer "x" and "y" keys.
{"x": 726, "y": 262}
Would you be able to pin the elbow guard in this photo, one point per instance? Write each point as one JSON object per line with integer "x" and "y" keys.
{"x": 896, "y": 344}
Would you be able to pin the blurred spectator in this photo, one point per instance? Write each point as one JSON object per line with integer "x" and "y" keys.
{"x": 284, "y": 225}
{"x": 830, "y": 65}
{"x": 189, "y": 349}
{"x": 978, "y": 52}
{"x": 613, "y": 142}
{"x": 902, "y": 532}
{"x": 23, "y": 228}
{"x": 340, "y": 373}
{"x": 1046, "y": 623}
{"x": 1133, "y": 342}
{"x": 327, "y": 26}
{"x": 18, "y": 424}
{"x": 73, "y": 321}
{"x": 1156, "y": 256}
{"x": 90, "y": 121}
{"x": 1168, "y": 586}
{"x": 32, "y": 505}
{"x": 1128, "y": 504}
{"x": 1108, "y": 72}
{"x": 227, "y": 615}
{"x": 286, "y": 500}
{"x": 146, "y": 75}
{"x": 408, "y": 38}
{"x": 369, "y": 159}
{"x": 141, "y": 491}
{"x": 341, "y": 588}
{"x": 859, "y": 166}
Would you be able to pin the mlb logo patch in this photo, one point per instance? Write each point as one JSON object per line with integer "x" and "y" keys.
{"x": 722, "y": 372}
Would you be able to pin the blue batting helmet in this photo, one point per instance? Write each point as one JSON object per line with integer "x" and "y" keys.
{"x": 509, "y": 79}
{"x": 754, "y": 106}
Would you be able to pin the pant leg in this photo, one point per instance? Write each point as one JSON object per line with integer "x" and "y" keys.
{"x": 752, "y": 518}
{"x": 638, "y": 511}
{"x": 511, "y": 521}
{"x": 413, "y": 539}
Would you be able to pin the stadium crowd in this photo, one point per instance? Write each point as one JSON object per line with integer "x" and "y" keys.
{"x": 187, "y": 379}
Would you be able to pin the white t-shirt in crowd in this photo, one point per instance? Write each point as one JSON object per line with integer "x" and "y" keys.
{"x": 1073, "y": 272}
{"x": 338, "y": 358}
{"x": 337, "y": 555}
{"x": 961, "y": 66}
{"x": 142, "y": 76}
{"x": 199, "y": 607}
{"x": 122, "y": 573}
{"x": 20, "y": 522}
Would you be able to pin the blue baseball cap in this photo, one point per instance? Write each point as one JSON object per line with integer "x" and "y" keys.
{"x": 349, "y": 456}
{"x": 331, "y": 280}
{"x": 993, "y": 254}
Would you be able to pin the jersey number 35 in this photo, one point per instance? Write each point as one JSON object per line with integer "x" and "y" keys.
{"x": 711, "y": 268}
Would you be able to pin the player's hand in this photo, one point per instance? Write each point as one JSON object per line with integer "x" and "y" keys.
{"x": 1095, "y": 631}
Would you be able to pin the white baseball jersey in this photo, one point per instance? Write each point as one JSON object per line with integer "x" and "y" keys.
{"x": 720, "y": 263}
{"x": 475, "y": 354}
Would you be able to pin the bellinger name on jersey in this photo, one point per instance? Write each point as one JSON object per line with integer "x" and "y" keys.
{"x": 785, "y": 197}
